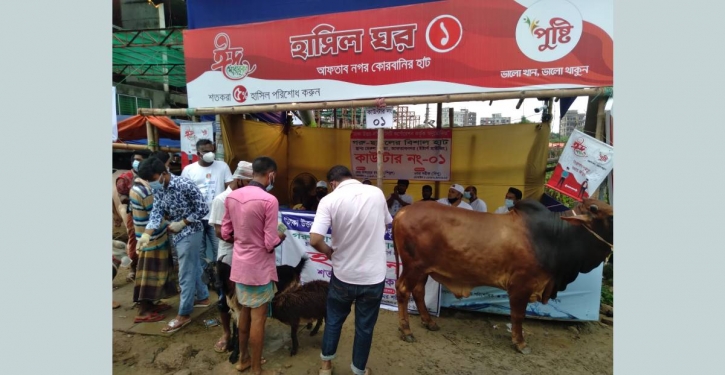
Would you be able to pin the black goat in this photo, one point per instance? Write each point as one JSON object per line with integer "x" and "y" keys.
{"x": 301, "y": 304}
{"x": 287, "y": 276}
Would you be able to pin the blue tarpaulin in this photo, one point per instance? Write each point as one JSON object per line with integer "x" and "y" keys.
{"x": 213, "y": 13}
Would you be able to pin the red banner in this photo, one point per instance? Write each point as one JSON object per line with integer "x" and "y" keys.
{"x": 444, "y": 47}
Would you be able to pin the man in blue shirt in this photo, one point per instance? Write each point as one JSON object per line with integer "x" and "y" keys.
{"x": 180, "y": 201}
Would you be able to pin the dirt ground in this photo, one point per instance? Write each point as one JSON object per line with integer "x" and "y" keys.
{"x": 468, "y": 343}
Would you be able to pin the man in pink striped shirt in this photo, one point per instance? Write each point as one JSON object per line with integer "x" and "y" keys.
{"x": 251, "y": 214}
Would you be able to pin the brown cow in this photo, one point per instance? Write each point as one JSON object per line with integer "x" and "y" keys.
{"x": 531, "y": 252}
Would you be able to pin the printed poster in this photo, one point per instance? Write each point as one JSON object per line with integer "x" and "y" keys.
{"x": 609, "y": 135}
{"x": 191, "y": 132}
{"x": 318, "y": 267}
{"x": 419, "y": 154}
{"x": 583, "y": 166}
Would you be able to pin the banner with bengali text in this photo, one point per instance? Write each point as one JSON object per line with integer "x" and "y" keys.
{"x": 582, "y": 167}
{"x": 418, "y": 154}
{"x": 297, "y": 244}
{"x": 433, "y": 48}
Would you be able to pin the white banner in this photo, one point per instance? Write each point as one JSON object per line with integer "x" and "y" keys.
{"x": 114, "y": 120}
{"x": 191, "y": 132}
{"x": 318, "y": 267}
{"x": 580, "y": 300}
{"x": 609, "y": 130}
{"x": 379, "y": 118}
{"x": 582, "y": 167}
{"x": 419, "y": 154}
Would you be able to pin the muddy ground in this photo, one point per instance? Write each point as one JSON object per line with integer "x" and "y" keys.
{"x": 468, "y": 343}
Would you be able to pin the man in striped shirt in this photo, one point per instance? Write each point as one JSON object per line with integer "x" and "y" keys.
{"x": 178, "y": 199}
{"x": 153, "y": 273}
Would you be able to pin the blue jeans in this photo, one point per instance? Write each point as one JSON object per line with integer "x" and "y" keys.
{"x": 209, "y": 245}
{"x": 192, "y": 288}
{"x": 367, "y": 306}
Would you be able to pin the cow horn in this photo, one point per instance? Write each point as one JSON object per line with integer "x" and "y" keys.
{"x": 593, "y": 208}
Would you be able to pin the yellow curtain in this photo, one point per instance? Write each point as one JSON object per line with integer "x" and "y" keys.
{"x": 491, "y": 158}
{"x": 248, "y": 140}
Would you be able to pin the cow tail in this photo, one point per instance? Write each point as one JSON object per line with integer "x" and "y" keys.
{"x": 395, "y": 251}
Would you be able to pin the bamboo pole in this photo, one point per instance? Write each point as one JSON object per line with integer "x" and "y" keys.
{"x": 439, "y": 125}
{"x": 126, "y": 146}
{"x": 450, "y": 117}
{"x": 156, "y": 137}
{"x": 599, "y": 135}
{"x": 149, "y": 136}
{"x": 407, "y": 100}
{"x": 381, "y": 141}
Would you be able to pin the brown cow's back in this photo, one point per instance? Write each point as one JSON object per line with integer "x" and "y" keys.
{"x": 463, "y": 249}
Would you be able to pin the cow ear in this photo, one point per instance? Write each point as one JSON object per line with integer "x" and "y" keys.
{"x": 577, "y": 220}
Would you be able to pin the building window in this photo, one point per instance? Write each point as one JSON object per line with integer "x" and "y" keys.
{"x": 129, "y": 105}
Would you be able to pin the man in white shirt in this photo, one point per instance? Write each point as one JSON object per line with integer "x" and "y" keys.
{"x": 242, "y": 175}
{"x": 211, "y": 177}
{"x": 476, "y": 203}
{"x": 358, "y": 215}
{"x": 455, "y": 198}
{"x": 512, "y": 196}
{"x": 398, "y": 199}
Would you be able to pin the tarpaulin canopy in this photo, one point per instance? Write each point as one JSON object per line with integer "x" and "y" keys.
{"x": 150, "y": 55}
{"x": 134, "y": 128}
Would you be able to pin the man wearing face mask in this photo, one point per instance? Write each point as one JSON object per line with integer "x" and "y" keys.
{"x": 211, "y": 177}
{"x": 455, "y": 198}
{"x": 512, "y": 196}
{"x": 124, "y": 183}
{"x": 241, "y": 176}
{"x": 477, "y": 204}
{"x": 180, "y": 201}
{"x": 250, "y": 222}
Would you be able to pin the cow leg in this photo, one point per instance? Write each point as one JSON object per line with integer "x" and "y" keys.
{"x": 518, "y": 302}
{"x": 419, "y": 297}
{"x": 402, "y": 294}
{"x": 317, "y": 327}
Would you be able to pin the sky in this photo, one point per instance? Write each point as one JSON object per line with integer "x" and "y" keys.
{"x": 507, "y": 108}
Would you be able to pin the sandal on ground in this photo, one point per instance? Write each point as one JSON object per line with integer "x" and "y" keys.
{"x": 326, "y": 372}
{"x": 150, "y": 318}
{"x": 175, "y": 325}
{"x": 221, "y": 346}
{"x": 239, "y": 367}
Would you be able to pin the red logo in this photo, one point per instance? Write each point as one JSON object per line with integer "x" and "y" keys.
{"x": 603, "y": 157}
{"x": 189, "y": 134}
{"x": 444, "y": 33}
{"x": 230, "y": 60}
{"x": 579, "y": 147}
{"x": 240, "y": 94}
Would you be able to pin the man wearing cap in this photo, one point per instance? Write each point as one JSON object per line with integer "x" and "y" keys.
{"x": 476, "y": 203}
{"x": 398, "y": 199}
{"x": 455, "y": 198}
{"x": 512, "y": 196}
{"x": 320, "y": 192}
{"x": 242, "y": 175}
{"x": 211, "y": 177}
